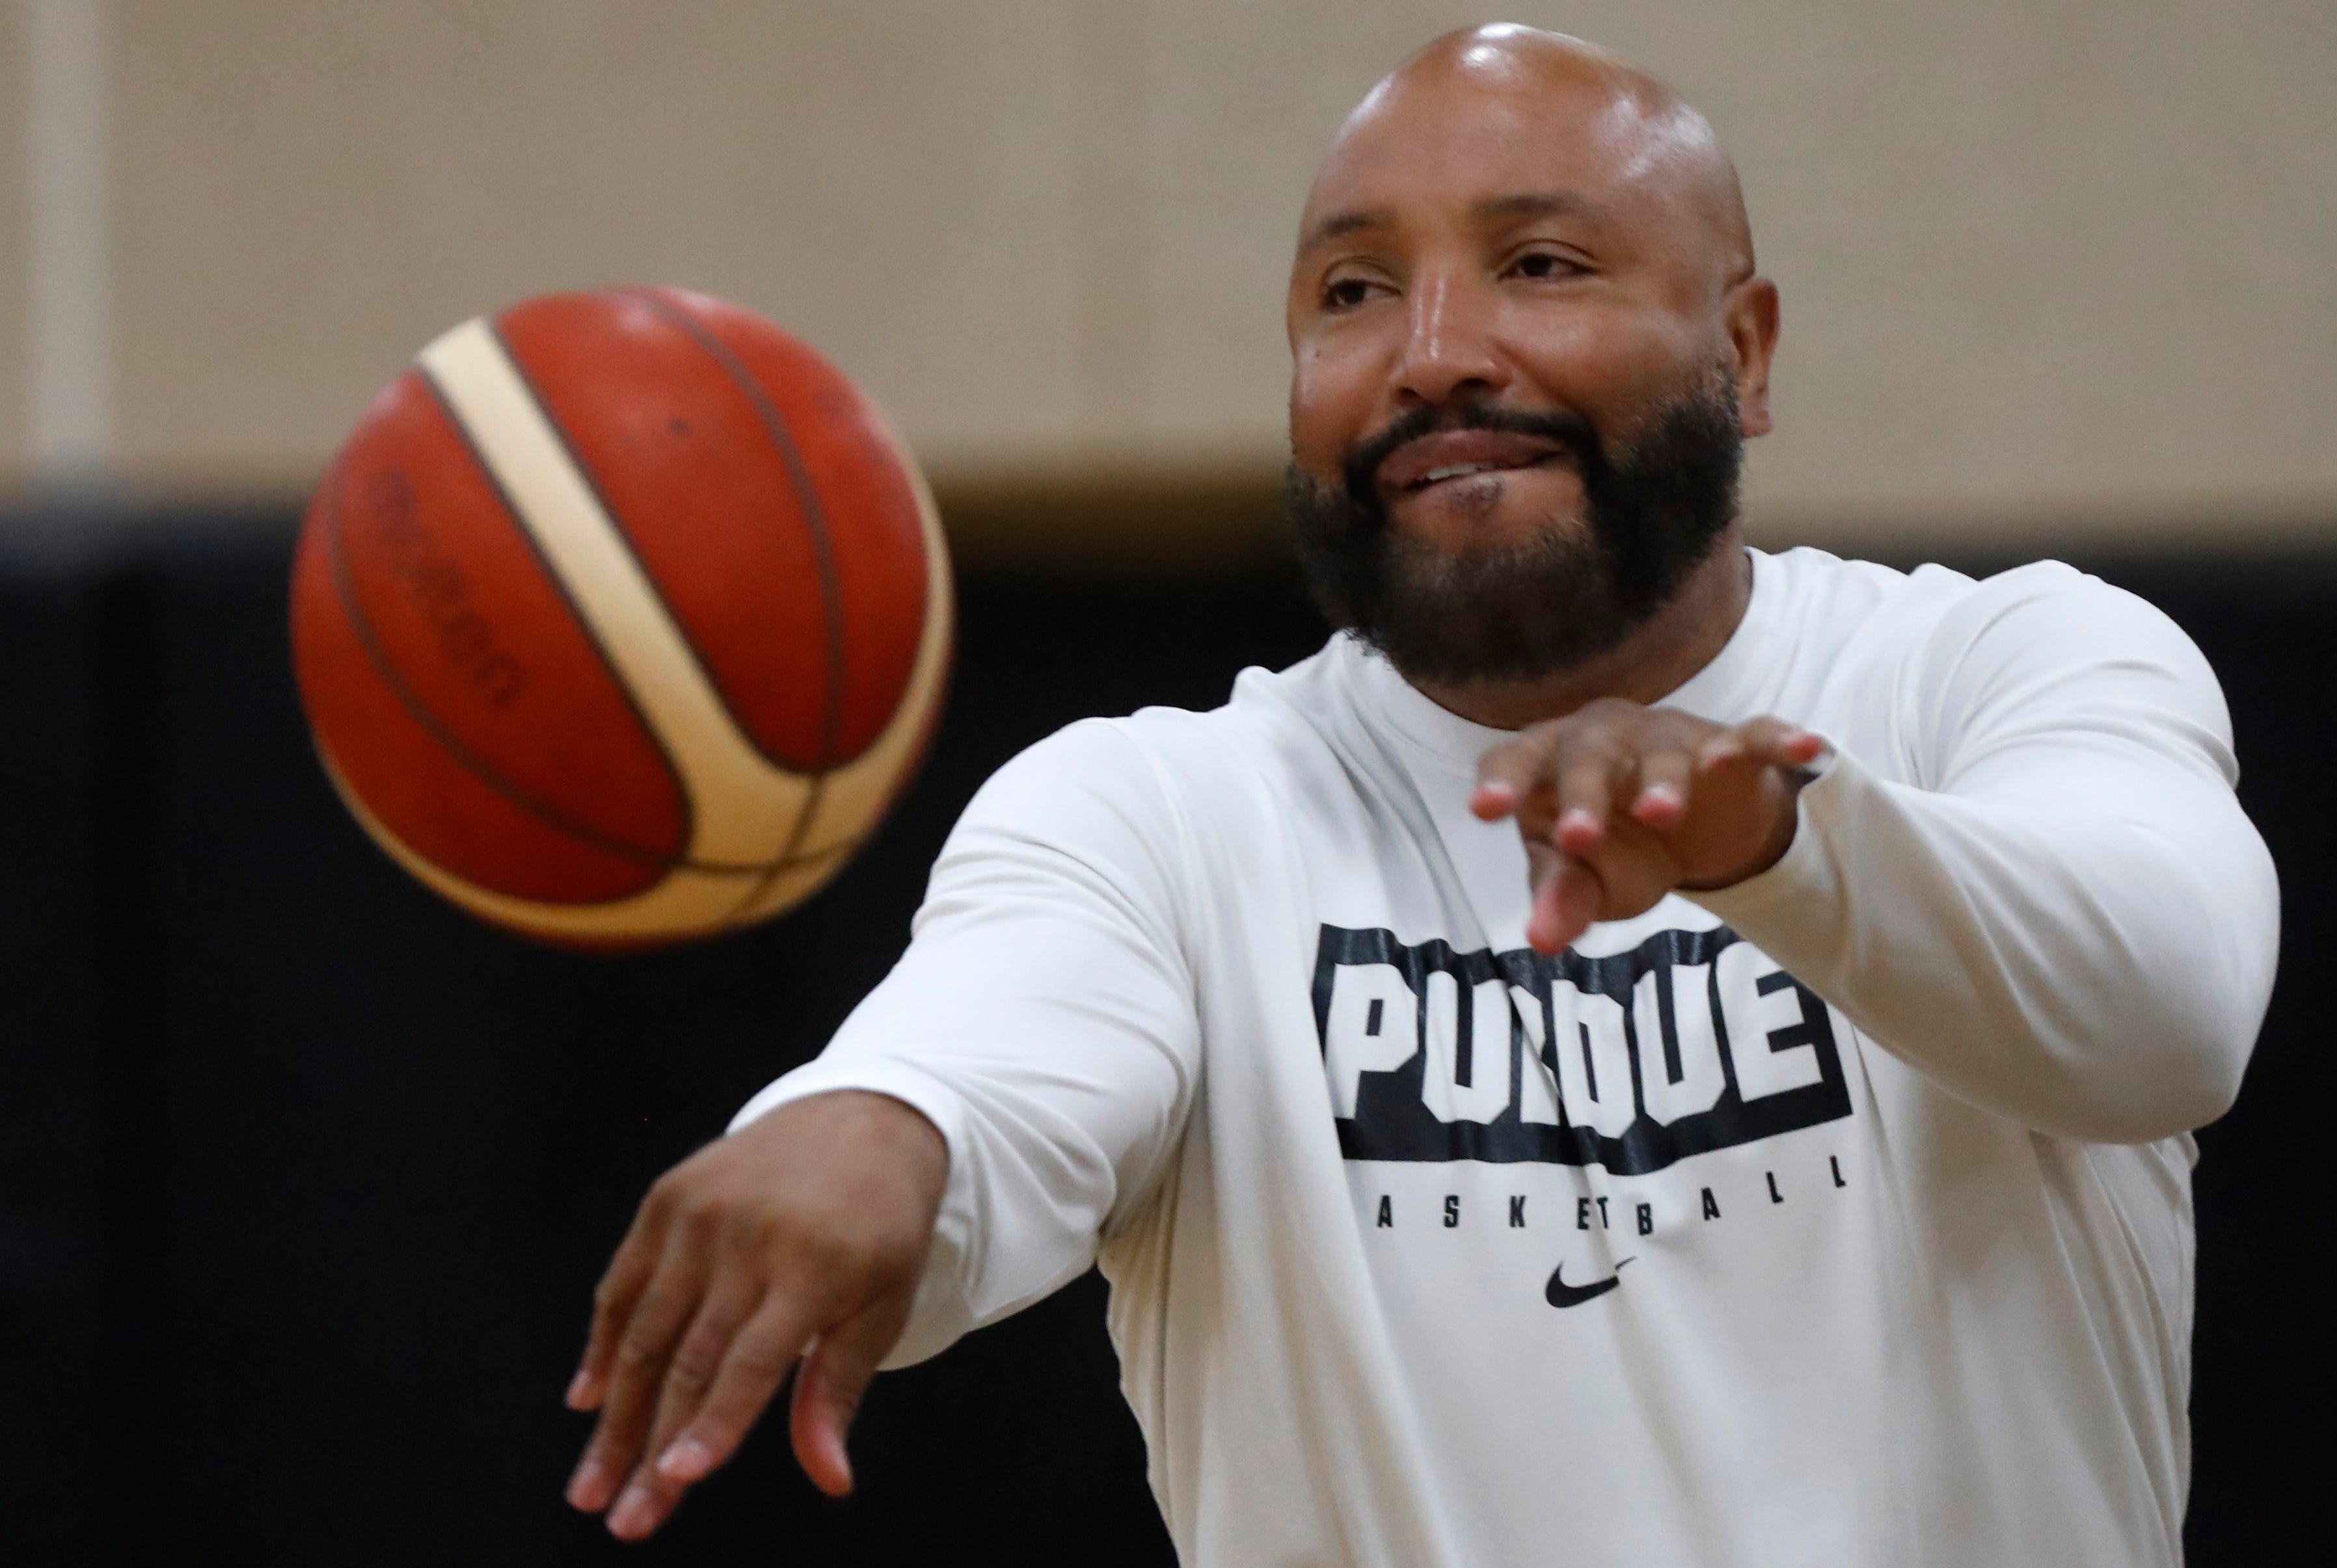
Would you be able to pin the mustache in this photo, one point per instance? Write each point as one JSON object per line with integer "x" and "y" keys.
{"x": 1361, "y": 471}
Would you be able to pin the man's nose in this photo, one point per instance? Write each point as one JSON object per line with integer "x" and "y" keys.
{"x": 1448, "y": 347}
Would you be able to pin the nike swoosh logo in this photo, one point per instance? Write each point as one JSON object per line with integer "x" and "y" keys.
{"x": 1559, "y": 1293}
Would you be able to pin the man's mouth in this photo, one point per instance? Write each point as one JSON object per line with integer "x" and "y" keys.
{"x": 1449, "y": 455}
{"x": 1459, "y": 471}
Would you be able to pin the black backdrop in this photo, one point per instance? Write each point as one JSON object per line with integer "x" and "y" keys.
{"x": 305, "y": 1179}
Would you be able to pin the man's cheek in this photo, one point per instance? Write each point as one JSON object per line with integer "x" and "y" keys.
{"x": 1331, "y": 407}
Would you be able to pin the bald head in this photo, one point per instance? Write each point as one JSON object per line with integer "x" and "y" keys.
{"x": 1620, "y": 133}
{"x": 1527, "y": 346}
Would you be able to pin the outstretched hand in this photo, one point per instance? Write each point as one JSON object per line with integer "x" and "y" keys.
{"x": 1619, "y": 804}
{"x": 800, "y": 1238}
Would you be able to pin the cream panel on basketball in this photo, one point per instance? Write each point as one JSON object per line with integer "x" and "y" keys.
{"x": 744, "y": 811}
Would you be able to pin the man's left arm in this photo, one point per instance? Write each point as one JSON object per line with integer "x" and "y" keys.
{"x": 2067, "y": 921}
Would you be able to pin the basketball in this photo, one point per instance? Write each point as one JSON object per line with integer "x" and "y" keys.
{"x": 620, "y": 618}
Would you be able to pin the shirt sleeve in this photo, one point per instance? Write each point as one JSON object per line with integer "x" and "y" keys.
{"x": 2066, "y": 917}
{"x": 1043, "y": 1018}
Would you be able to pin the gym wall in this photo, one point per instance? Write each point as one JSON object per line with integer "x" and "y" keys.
{"x": 2058, "y": 267}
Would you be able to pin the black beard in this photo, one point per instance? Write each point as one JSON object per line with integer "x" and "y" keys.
{"x": 1652, "y": 512}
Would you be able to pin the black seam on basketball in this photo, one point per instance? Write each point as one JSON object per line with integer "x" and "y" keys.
{"x": 788, "y": 859}
{"x": 841, "y": 855}
{"x": 799, "y": 480}
{"x": 834, "y": 858}
{"x": 345, "y": 590}
{"x": 558, "y": 585}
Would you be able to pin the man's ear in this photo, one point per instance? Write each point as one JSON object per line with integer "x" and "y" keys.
{"x": 1752, "y": 314}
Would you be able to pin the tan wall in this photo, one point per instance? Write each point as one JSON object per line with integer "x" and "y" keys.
{"x": 16, "y": 251}
{"x": 2067, "y": 260}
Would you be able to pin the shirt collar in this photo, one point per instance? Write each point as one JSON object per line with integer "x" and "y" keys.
{"x": 1726, "y": 689}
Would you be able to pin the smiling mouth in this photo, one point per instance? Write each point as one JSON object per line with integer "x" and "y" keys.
{"x": 1438, "y": 475}
{"x": 1470, "y": 451}
{"x": 1461, "y": 471}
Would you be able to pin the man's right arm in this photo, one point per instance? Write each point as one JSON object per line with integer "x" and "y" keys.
{"x": 1039, "y": 1036}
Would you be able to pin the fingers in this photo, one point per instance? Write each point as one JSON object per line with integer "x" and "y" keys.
{"x": 829, "y": 1391}
{"x": 683, "y": 1447}
{"x": 649, "y": 1495}
{"x": 1762, "y": 742}
{"x": 1619, "y": 804}
{"x": 1568, "y": 897}
{"x": 637, "y": 1367}
{"x": 757, "y": 1362}
{"x": 1587, "y": 786}
{"x": 613, "y": 1307}
{"x": 1666, "y": 774}
{"x": 1508, "y": 773}
{"x": 834, "y": 1377}
{"x": 813, "y": 1222}
{"x": 1609, "y": 752}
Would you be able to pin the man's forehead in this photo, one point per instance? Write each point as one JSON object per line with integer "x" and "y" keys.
{"x": 1475, "y": 127}
{"x": 1456, "y": 145}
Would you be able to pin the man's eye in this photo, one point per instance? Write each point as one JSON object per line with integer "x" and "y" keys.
{"x": 1344, "y": 293}
{"x": 1545, "y": 264}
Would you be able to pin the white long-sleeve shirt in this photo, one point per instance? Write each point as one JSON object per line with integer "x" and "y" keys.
{"x": 1838, "y": 1219}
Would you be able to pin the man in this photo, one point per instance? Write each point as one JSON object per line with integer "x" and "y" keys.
{"x": 1641, "y": 1051}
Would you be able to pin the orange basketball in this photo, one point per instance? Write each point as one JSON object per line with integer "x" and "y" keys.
{"x": 620, "y": 618}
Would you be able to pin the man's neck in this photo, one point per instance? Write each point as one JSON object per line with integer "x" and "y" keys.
{"x": 1651, "y": 663}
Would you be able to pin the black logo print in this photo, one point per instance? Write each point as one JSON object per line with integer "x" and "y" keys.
{"x": 1690, "y": 1042}
{"x": 1559, "y": 1293}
